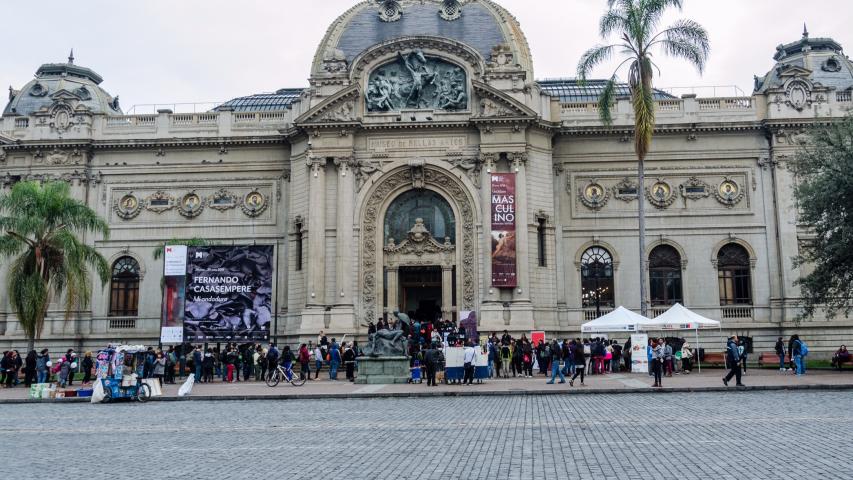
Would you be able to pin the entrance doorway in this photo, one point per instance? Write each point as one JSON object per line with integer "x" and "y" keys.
{"x": 421, "y": 292}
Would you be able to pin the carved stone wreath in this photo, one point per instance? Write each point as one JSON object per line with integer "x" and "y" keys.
{"x": 223, "y": 200}
{"x": 450, "y": 10}
{"x": 593, "y": 195}
{"x": 159, "y": 202}
{"x": 661, "y": 194}
{"x": 254, "y": 203}
{"x": 621, "y": 191}
{"x": 729, "y": 192}
{"x": 128, "y": 206}
{"x": 695, "y": 189}
{"x": 390, "y": 11}
{"x": 371, "y": 287}
{"x": 191, "y": 205}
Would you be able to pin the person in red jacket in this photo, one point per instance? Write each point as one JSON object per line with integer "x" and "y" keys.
{"x": 304, "y": 360}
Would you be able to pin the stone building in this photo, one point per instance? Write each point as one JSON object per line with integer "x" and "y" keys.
{"x": 373, "y": 183}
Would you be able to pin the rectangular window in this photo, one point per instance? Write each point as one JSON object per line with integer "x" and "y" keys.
{"x": 298, "y": 246}
{"x": 540, "y": 236}
{"x": 735, "y": 287}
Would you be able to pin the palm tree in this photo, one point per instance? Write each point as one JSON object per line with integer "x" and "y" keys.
{"x": 40, "y": 225}
{"x": 635, "y": 24}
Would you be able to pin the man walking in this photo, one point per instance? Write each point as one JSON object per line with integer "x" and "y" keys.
{"x": 557, "y": 355}
{"x": 580, "y": 362}
{"x": 733, "y": 358}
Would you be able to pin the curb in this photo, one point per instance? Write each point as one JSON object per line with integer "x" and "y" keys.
{"x": 461, "y": 393}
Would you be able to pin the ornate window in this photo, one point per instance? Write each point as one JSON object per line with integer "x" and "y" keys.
{"x": 540, "y": 241}
{"x": 665, "y": 276}
{"x": 734, "y": 273}
{"x": 297, "y": 226}
{"x": 424, "y": 204}
{"x": 124, "y": 288}
{"x": 597, "y": 278}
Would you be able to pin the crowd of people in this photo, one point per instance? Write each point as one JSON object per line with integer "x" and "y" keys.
{"x": 508, "y": 357}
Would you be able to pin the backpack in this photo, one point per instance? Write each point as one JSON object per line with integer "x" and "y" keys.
{"x": 804, "y": 350}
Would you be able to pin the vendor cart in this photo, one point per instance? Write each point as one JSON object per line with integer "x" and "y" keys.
{"x": 454, "y": 370}
{"x": 120, "y": 373}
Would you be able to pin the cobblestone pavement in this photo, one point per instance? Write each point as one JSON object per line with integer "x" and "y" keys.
{"x": 738, "y": 435}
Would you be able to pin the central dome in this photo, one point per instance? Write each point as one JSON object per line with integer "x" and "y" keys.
{"x": 480, "y": 24}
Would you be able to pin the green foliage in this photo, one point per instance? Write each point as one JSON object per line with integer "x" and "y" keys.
{"x": 41, "y": 224}
{"x": 824, "y": 194}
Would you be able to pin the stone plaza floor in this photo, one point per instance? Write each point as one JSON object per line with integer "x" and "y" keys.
{"x": 715, "y": 435}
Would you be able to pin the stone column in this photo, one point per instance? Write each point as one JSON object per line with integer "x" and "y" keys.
{"x": 393, "y": 287}
{"x": 316, "y": 231}
{"x": 522, "y": 233}
{"x": 344, "y": 234}
{"x": 447, "y": 291}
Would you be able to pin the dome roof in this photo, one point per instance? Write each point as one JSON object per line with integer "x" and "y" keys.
{"x": 823, "y": 57}
{"x": 480, "y": 24}
{"x": 67, "y": 80}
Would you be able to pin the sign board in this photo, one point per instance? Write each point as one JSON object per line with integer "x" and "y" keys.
{"x": 171, "y": 335}
{"x": 504, "y": 272}
{"x": 175, "y": 260}
{"x": 639, "y": 357}
{"x": 172, "y": 307}
{"x": 536, "y": 336}
{"x": 228, "y": 293}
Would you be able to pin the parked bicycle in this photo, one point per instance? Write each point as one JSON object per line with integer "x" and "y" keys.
{"x": 280, "y": 373}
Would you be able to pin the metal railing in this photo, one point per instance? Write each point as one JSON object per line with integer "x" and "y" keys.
{"x": 122, "y": 323}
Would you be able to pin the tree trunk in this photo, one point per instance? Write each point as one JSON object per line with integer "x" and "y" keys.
{"x": 31, "y": 343}
{"x": 641, "y": 206}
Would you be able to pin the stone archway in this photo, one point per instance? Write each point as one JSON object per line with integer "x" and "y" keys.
{"x": 372, "y": 242}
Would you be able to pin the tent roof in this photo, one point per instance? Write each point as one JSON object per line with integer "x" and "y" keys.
{"x": 679, "y": 317}
{"x": 619, "y": 320}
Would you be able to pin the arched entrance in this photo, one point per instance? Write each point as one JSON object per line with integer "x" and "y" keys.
{"x": 421, "y": 257}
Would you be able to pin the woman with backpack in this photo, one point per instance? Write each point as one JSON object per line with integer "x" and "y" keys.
{"x": 798, "y": 353}
{"x": 305, "y": 360}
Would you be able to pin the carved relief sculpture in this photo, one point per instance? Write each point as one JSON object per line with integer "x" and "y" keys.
{"x": 416, "y": 81}
{"x": 254, "y": 203}
{"x": 159, "y": 202}
{"x": 661, "y": 194}
{"x": 191, "y": 205}
{"x": 729, "y": 193}
{"x": 593, "y": 195}
{"x": 128, "y": 206}
{"x": 626, "y": 190}
{"x": 695, "y": 189}
{"x": 222, "y": 200}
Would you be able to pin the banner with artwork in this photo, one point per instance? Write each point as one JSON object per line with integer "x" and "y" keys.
{"x": 228, "y": 293}
{"x": 504, "y": 274}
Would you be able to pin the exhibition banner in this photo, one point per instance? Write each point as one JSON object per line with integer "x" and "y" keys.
{"x": 174, "y": 291}
{"x": 639, "y": 357}
{"x": 228, "y": 293}
{"x": 503, "y": 231}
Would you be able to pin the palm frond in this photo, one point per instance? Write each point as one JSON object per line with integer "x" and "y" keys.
{"x": 592, "y": 57}
{"x": 686, "y": 51}
{"x": 606, "y": 100}
{"x": 612, "y": 21}
{"x": 642, "y": 100}
{"x": 653, "y": 10}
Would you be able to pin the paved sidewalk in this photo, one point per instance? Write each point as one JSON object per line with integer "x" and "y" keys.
{"x": 708, "y": 380}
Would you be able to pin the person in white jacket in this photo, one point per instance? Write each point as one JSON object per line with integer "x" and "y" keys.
{"x": 318, "y": 360}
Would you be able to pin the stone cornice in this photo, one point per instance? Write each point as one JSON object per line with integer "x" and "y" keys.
{"x": 660, "y": 129}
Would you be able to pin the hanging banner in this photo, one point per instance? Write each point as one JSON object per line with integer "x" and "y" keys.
{"x": 228, "y": 293}
{"x": 503, "y": 231}
{"x": 174, "y": 283}
{"x": 639, "y": 357}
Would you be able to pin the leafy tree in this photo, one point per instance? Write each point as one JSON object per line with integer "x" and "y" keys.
{"x": 635, "y": 25}
{"x": 824, "y": 194}
{"x": 40, "y": 225}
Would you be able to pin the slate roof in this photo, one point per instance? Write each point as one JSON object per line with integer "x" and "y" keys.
{"x": 477, "y": 27}
{"x": 569, "y": 90}
{"x": 51, "y": 78}
{"x": 262, "y": 102}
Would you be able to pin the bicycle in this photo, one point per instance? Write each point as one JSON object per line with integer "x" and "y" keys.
{"x": 280, "y": 373}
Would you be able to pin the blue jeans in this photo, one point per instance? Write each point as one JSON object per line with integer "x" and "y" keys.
{"x": 42, "y": 376}
{"x": 555, "y": 369}
{"x": 798, "y": 362}
{"x": 569, "y": 369}
{"x": 781, "y": 362}
{"x": 198, "y": 371}
{"x": 333, "y": 370}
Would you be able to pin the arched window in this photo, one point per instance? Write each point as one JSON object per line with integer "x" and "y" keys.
{"x": 665, "y": 276}
{"x": 124, "y": 288}
{"x": 597, "y": 278}
{"x": 425, "y": 204}
{"x": 733, "y": 269}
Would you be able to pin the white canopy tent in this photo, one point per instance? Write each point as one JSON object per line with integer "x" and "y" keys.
{"x": 619, "y": 320}
{"x": 679, "y": 317}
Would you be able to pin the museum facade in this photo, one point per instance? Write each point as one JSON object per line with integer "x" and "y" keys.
{"x": 381, "y": 184}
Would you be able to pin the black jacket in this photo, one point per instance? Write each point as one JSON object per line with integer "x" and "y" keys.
{"x": 780, "y": 347}
{"x": 579, "y": 356}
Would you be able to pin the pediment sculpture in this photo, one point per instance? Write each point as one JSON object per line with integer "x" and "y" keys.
{"x": 419, "y": 242}
{"x": 418, "y": 82}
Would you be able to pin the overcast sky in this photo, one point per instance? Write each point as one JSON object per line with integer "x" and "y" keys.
{"x": 169, "y": 51}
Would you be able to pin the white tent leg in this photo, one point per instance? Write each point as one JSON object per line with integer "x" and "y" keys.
{"x": 698, "y": 360}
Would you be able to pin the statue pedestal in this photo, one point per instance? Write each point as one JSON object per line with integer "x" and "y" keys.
{"x": 383, "y": 370}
